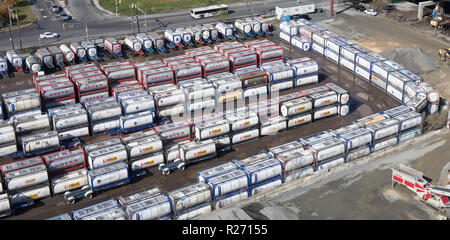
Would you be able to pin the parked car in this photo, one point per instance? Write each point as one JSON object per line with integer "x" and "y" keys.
{"x": 305, "y": 16}
{"x": 360, "y": 8}
{"x": 371, "y": 12}
{"x": 64, "y": 16}
{"x": 389, "y": 7}
{"x": 49, "y": 35}
{"x": 56, "y": 8}
{"x": 365, "y": 1}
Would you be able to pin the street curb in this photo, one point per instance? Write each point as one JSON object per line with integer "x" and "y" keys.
{"x": 96, "y": 6}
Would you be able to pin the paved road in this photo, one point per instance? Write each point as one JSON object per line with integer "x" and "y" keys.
{"x": 99, "y": 24}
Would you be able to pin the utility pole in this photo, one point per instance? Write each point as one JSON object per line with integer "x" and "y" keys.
{"x": 145, "y": 15}
{"x": 18, "y": 22}
{"x": 10, "y": 24}
{"x": 331, "y": 8}
{"x": 117, "y": 8}
{"x": 136, "y": 7}
{"x": 132, "y": 16}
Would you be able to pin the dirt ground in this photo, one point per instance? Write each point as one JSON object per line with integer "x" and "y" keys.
{"x": 365, "y": 100}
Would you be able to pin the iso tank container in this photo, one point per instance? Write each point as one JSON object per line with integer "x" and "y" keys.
{"x": 20, "y": 164}
{"x": 384, "y": 143}
{"x": 105, "y": 156}
{"x": 30, "y": 123}
{"x": 244, "y": 135}
{"x": 5, "y": 205}
{"x": 68, "y": 181}
{"x": 197, "y": 151}
{"x": 176, "y": 131}
{"x": 318, "y": 49}
{"x": 371, "y": 119}
{"x": 157, "y": 40}
{"x": 186, "y": 35}
{"x": 120, "y": 73}
{"x": 187, "y": 71}
{"x": 264, "y": 25}
{"x": 169, "y": 98}
{"x": 321, "y": 99}
{"x": 269, "y": 53}
{"x": 333, "y": 56}
{"x": 157, "y": 76}
{"x": 213, "y": 32}
{"x": 45, "y": 56}
{"x": 65, "y": 161}
{"x": 137, "y": 104}
{"x": 414, "y": 77}
{"x": 349, "y": 52}
{"x": 196, "y": 33}
{"x": 112, "y": 45}
{"x": 15, "y": 59}
{"x": 342, "y": 94}
{"x": 108, "y": 176}
{"x": 433, "y": 95}
{"x": 226, "y": 30}
{"x": 58, "y": 91}
{"x": 378, "y": 81}
{"x": 316, "y": 138}
{"x": 346, "y": 63}
{"x": 307, "y": 32}
{"x": 395, "y": 111}
{"x": 384, "y": 128}
{"x": 226, "y": 84}
{"x": 32, "y": 64}
{"x": 172, "y": 36}
{"x": 133, "y": 43}
{"x": 288, "y": 28}
{"x": 305, "y": 68}
{"x": 7, "y": 134}
{"x": 251, "y": 76}
{"x": 112, "y": 214}
{"x": 69, "y": 55}
{"x": 58, "y": 55}
{"x": 146, "y": 161}
{"x": 393, "y": 65}
{"x": 93, "y": 209}
{"x": 142, "y": 146}
{"x": 300, "y": 43}
{"x": 25, "y": 177}
{"x": 360, "y": 137}
{"x": 145, "y": 40}
{"x": 264, "y": 170}
{"x": 243, "y": 120}
{"x": 72, "y": 133}
{"x": 274, "y": 151}
{"x": 229, "y": 96}
{"x": 204, "y": 175}
{"x": 193, "y": 212}
{"x": 365, "y": 60}
{"x": 412, "y": 90}
{"x": 136, "y": 121}
{"x": 286, "y": 37}
{"x": 138, "y": 195}
{"x": 210, "y": 129}
{"x": 255, "y": 92}
{"x": 3, "y": 64}
{"x": 409, "y": 134}
{"x": 78, "y": 50}
{"x": 334, "y": 44}
{"x": 199, "y": 92}
{"x": 382, "y": 69}
{"x": 358, "y": 153}
{"x": 327, "y": 149}
{"x": 243, "y": 59}
{"x": 295, "y": 106}
{"x": 227, "y": 183}
{"x": 152, "y": 208}
{"x": 104, "y": 111}
{"x": 363, "y": 73}
{"x": 98, "y": 145}
{"x": 189, "y": 196}
{"x": 273, "y": 125}
{"x": 398, "y": 80}
{"x": 306, "y": 79}
{"x": 409, "y": 120}
{"x": 228, "y": 200}
{"x": 31, "y": 193}
{"x": 90, "y": 48}
{"x": 39, "y": 143}
{"x": 329, "y": 164}
{"x": 92, "y": 84}
{"x": 294, "y": 159}
{"x": 21, "y": 100}
{"x": 279, "y": 73}
{"x": 94, "y": 96}
{"x": 215, "y": 65}
{"x": 262, "y": 155}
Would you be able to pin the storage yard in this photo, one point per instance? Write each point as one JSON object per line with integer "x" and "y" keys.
{"x": 366, "y": 100}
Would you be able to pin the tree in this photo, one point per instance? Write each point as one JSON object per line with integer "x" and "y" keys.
{"x": 378, "y": 5}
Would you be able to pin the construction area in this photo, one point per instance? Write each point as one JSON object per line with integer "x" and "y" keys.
{"x": 360, "y": 188}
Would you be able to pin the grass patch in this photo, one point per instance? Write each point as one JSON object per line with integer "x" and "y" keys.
{"x": 24, "y": 12}
{"x": 436, "y": 121}
{"x": 156, "y": 6}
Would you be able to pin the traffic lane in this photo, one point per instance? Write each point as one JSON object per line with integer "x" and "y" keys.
{"x": 82, "y": 11}
{"x": 43, "y": 11}
{"x": 365, "y": 100}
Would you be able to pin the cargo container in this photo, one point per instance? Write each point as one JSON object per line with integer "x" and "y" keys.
{"x": 363, "y": 73}
{"x": 151, "y": 208}
{"x": 108, "y": 176}
{"x": 433, "y": 95}
{"x": 269, "y": 53}
{"x": 138, "y": 195}
{"x": 5, "y": 205}
{"x": 343, "y": 62}
{"x": 157, "y": 40}
{"x": 173, "y": 36}
{"x": 252, "y": 77}
{"x": 64, "y": 216}
{"x": 197, "y": 151}
{"x": 272, "y": 125}
{"x": 106, "y": 156}
{"x": 94, "y": 209}
{"x": 40, "y": 143}
{"x": 382, "y": 69}
{"x": 331, "y": 55}
{"x": 227, "y": 183}
{"x": 22, "y": 100}
{"x": 318, "y": 49}
{"x": 409, "y": 120}
{"x": 68, "y": 181}
{"x": 15, "y": 59}
{"x": 32, "y": 64}
{"x": 414, "y": 77}
{"x": 186, "y": 36}
{"x": 384, "y": 143}
{"x": 146, "y": 161}
{"x": 23, "y": 197}
{"x": 349, "y": 52}
{"x": 58, "y": 55}
{"x": 384, "y": 128}
{"x": 395, "y": 111}
{"x": 409, "y": 134}
{"x": 26, "y": 177}
{"x": 136, "y": 121}
{"x": 27, "y": 124}
{"x": 225, "y": 30}
{"x": 316, "y": 138}
{"x": 329, "y": 164}
{"x": 356, "y": 138}
{"x": 328, "y": 149}
{"x": 113, "y": 46}
{"x": 173, "y": 132}
{"x": 142, "y": 143}
{"x": 295, "y": 106}
{"x": 229, "y": 199}
{"x": 264, "y": 170}
{"x": 366, "y": 61}
{"x": 134, "y": 44}
{"x": 294, "y": 159}
{"x": 65, "y": 161}
{"x": 79, "y": 51}
{"x": 211, "y": 129}
{"x": 45, "y": 57}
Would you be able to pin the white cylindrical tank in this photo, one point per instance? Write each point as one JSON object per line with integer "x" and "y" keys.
{"x": 107, "y": 175}
{"x": 3, "y": 64}
{"x": 68, "y": 54}
{"x": 90, "y": 48}
{"x": 69, "y": 181}
{"x": 133, "y": 43}
{"x": 225, "y": 29}
{"x": 295, "y": 106}
{"x": 228, "y": 182}
{"x": 78, "y": 49}
{"x": 33, "y": 64}
{"x": 173, "y": 36}
{"x": 145, "y": 40}
{"x": 14, "y": 58}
